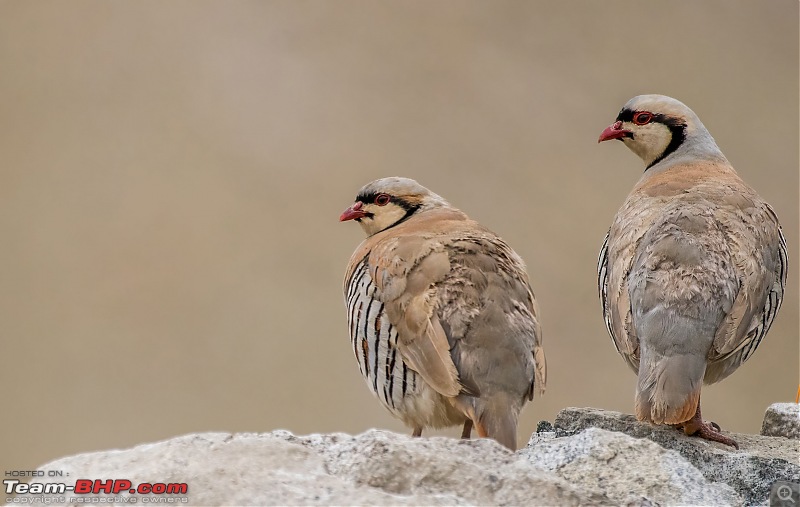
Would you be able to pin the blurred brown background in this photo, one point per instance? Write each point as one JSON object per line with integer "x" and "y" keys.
{"x": 172, "y": 174}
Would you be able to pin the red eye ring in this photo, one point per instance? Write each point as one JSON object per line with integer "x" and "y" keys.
{"x": 642, "y": 118}
{"x": 382, "y": 199}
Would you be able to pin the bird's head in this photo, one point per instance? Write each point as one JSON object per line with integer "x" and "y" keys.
{"x": 388, "y": 201}
{"x": 656, "y": 126}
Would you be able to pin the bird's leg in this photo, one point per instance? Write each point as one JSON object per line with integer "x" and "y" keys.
{"x": 481, "y": 429}
{"x": 467, "y": 431}
{"x": 417, "y": 431}
{"x": 708, "y": 430}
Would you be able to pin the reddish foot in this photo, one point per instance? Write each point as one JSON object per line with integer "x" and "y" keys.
{"x": 708, "y": 430}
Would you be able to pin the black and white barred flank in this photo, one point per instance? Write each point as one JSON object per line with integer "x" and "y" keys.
{"x": 374, "y": 342}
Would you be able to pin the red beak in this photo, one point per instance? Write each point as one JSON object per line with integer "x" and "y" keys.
{"x": 614, "y": 131}
{"x": 353, "y": 212}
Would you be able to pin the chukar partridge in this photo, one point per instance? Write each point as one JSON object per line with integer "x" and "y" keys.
{"x": 691, "y": 273}
{"x": 442, "y": 319}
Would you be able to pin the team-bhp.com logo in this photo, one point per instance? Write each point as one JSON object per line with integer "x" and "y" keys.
{"x": 119, "y": 489}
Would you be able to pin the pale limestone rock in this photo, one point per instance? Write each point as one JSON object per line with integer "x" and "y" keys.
{"x": 750, "y": 471}
{"x": 591, "y": 457}
{"x": 782, "y": 420}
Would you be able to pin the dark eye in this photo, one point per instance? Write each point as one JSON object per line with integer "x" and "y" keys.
{"x": 642, "y": 118}
{"x": 382, "y": 199}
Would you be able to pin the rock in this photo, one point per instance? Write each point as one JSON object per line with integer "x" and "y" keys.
{"x": 751, "y": 470}
{"x": 225, "y": 469}
{"x": 782, "y": 420}
{"x": 626, "y": 470}
{"x": 374, "y": 468}
{"x": 590, "y": 457}
{"x": 467, "y": 471}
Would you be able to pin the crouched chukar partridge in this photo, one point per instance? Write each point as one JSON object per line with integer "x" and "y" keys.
{"x": 691, "y": 273}
{"x": 442, "y": 319}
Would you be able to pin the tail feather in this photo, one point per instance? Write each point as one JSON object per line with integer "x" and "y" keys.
{"x": 497, "y": 418}
{"x": 668, "y": 390}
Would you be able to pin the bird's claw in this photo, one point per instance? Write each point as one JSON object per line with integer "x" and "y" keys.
{"x": 708, "y": 431}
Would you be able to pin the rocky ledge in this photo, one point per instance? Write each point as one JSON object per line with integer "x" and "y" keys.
{"x": 587, "y": 457}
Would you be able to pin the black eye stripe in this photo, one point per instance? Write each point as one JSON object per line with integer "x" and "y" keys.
{"x": 410, "y": 208}
{"x": 627, "y": 115}
{"x": 369, "y": 198}
{"x": 676, "y": 126}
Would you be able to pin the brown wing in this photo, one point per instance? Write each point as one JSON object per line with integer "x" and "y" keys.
{"x": 490, "y": 316}
{"x": 540, "y": 377}
{"x": 762, "y": 261}
{"x": 405, "y": 268}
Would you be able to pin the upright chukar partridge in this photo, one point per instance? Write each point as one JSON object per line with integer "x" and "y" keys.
{"x": 442, "y": 319}
{"x": 691, "y": 273}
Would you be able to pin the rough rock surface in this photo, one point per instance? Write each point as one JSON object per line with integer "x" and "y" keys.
{"x": 626, "y": 470}
{"x": 782, "y": 420}
{"x": 374, "y": 468}
{"x": 576, "y": 464}
{"x": 751, "y": 471}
